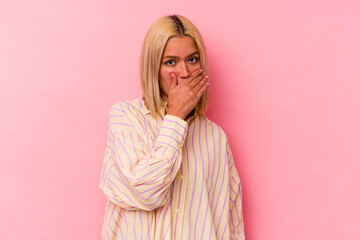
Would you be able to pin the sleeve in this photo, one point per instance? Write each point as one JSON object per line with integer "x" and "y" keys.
{"x": 236, "y": 221}
{"x": 137, "y": 176}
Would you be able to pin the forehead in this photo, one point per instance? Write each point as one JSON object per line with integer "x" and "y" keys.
{"x": 178, "y": 46}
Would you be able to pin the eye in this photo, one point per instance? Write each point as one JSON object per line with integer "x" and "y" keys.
{"x": 170, "y": 62}
{"x": 193, "y": 59}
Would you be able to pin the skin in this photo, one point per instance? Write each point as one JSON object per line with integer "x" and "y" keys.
{"x": 182, "y": 81}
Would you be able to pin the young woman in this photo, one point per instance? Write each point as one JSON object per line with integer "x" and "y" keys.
{"x": 168, "y": 172}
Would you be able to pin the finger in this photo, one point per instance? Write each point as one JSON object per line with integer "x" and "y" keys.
{"x": 197, "y": 80}
{"x": 193, "y": 76}
{"x": 202, "y": 90}
{"x": 201, "y": 84}
{"x": 174, "y": 80}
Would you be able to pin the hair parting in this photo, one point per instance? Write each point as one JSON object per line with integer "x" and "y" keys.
{"x": 179, "y": 24}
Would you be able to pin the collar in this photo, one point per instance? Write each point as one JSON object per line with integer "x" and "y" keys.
{"x": 144, "y": 109}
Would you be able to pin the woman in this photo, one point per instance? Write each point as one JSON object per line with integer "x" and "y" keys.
{"x": 168, "y": 172}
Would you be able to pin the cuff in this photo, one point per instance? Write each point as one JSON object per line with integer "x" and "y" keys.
{"x": 173, "y": 132}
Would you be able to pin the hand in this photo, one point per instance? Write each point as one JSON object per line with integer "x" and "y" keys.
{"x": 184, "y": 96}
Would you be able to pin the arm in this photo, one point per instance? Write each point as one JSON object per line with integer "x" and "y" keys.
{"x": 236, "y": 221}
{"x": 137, "y": 176}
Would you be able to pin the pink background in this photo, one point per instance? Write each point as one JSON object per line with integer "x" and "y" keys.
{"x": 284, "y": 86}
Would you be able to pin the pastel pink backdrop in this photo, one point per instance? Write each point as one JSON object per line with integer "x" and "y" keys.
{"x": 284, "y": 86}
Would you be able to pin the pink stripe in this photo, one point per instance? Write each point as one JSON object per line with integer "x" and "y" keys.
{"x": 124, "y": 150}
{"x": 231, "y": 167}
{"x": 178, "y": 203}
{"x": 172, "y": 121}
{"x": 222, "y": 204}
{"x": 158, "y": 214}
{"x": 213, "y": 165}
{"x": 218, "y": 167}
{"x": 113, "y": 151}
{"x": 161, "y": 196}
{"x": 134, "y": 204}
{"x": 165, "y": 150}
{"x": 147, "y": 219}
{"x": 166, "y": 163}
{"x": 141, "y": 167}
{"x": 116, "y": 115}
{"x": 107, "y": 176}
{"x": 193, "y": 188}
{"x": 226, "y": 226}
{"x": 134, "y": 226}
{"x": 118, "y": 227}
{"x": 108, "y": 207}
{"x": 150, "y": 127}
{"x": 111, "y": 197}
{"x": 232, "y": 223}
{"x": 237, "y": 213}
{"x": 227, "y": 189}
{"x": 143, "y": 130}
{"x": 124, "y": 143}
{"x": 133, "y": 143}
{"x": 109, "y": 224}
{"x": 142, "y": 146}
{"x": 166, "y": 231}
{"x": 155, "y": 179}
{"x": 207, "y": 150}
{"x": 135, "y": 194}
{"x": 172, "y": 129}
{"x": 232, "y": 189}
{"x": 104, "y": 168}
{"x": 117, "y": 109}
{"x": 141, "y": 224}
{"x": 125, "y": 219}
{"x": 165, "y": 135}
{"x": 167, "y": 144}
{"x": 122, "y": 124}
{"x": 202, "y": 182}
{"x": 238, "y": 184}
{"x": 204, "y": 223}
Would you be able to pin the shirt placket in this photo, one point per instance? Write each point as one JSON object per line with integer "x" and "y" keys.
{"x": 179, "y": 203}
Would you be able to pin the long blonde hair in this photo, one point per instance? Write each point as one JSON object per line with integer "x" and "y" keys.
{"x": 154, "y": 44}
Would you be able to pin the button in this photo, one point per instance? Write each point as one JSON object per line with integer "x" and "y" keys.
{"x": 181, "y": 176}
{"x": 176, "y": 210}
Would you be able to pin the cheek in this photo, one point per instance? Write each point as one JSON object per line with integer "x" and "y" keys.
{"x": 165, "y": 79}
{"x": 165, "y": 73}
{"x": 194, "y": 67}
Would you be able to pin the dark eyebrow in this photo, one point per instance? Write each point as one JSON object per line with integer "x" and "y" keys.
{"x": 168, "y": 56}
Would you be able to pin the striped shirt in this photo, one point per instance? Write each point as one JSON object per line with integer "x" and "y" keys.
{"x": 167, "y": 178}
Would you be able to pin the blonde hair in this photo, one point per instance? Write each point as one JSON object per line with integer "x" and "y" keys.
{"x": 153, "y": 47}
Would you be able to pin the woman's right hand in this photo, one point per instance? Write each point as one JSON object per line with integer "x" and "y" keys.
{"x": 184, "y": 95}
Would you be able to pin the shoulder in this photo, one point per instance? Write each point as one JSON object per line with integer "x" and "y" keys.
{"x": 212, "y": 124}
{"x": 128, "y": 104}
{"x": 126, "y": 107}
{"x": 125, "y": 111}
{"x": 212, "y": 127}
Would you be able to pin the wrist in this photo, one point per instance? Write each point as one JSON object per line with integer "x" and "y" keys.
{"x": 176, "y": 114}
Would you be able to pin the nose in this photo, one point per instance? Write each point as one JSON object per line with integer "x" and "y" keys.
{"x": 183, "y": 70}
